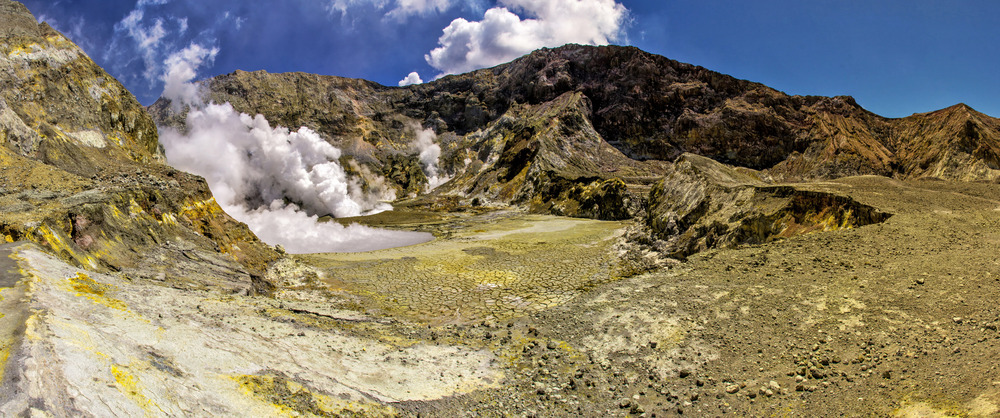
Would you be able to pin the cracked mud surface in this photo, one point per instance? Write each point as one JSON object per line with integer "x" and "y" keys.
{"x": 494, "y": 268}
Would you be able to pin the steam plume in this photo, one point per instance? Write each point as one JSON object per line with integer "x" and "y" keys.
{"x": 276, "y": 181}
{"x": 430, "y": 153}
{"x": 181, "y": 70}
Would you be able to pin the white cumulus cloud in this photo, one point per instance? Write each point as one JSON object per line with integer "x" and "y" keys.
{"x": 412, "y": 78}
{"x": 503, "y": 35}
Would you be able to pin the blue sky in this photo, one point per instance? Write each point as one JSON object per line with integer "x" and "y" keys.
{"x": 895, "y": 57}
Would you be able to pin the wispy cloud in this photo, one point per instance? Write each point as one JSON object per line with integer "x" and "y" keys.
{"x": 397, "y": 9}
{"x": 144, "y": 35}
{"x": 405, "y": 8}
{"x": 342, "y": 6}
{"x": 503, "y": 35}
{"x": 159, "y": 33}
{"x": 73, "y": 27}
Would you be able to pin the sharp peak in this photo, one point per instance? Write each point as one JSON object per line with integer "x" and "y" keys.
{"x": 959, "y": 106}
{"x": 957, "y": 109}
{"x": 17, "y": 20}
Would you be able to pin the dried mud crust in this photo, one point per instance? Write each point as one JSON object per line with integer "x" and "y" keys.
{"x": 496, "y": 267}
{"x": 897, "y": 318}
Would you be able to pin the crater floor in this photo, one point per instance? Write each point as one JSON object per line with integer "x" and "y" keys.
{"x": 492, "y": 268}
{"x": 512, "y": 314}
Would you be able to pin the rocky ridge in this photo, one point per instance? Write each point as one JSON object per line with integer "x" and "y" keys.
{"x": 702, "y": 204}
{"x": 589, "y": 131}
{"x": 646, "y": 106}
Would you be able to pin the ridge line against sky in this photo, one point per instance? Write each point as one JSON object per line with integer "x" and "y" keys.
{"x": 895, "y": 57}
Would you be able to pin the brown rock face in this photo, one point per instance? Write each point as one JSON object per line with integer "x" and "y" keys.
{"x": 57, "y": 106}
{"x": 702, "y": 204}
{"x": 954, "y": 143}
{"x": 595, "y": 132}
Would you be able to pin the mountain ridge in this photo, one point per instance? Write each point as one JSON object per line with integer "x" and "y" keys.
{"x": 647, "y": 109}
{"x": 695, "y": 110}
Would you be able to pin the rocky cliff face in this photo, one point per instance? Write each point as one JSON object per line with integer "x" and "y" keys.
{"x": 702, "y": 204}
{"x": 59, "y": 107}
{"x": 954, "y": 143}
{"x": 568, "y": 129}
{"x": 82, "y": 172}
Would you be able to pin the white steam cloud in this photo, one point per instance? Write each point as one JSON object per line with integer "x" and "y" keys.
{"x": 246, "y": 160}
{"x": 412, "y": 78}
{"x": 502, "y": 35}
{"x": 181, "y": 70}
{"x": 300, "y": 233}
{"x": 430, "y": 153}
{"x": 276, "y": 181}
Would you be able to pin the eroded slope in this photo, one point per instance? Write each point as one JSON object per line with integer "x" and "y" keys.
{"x": 81, "y": 172}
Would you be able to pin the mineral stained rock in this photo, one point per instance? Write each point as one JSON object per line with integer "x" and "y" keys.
{"x": 82, "y": 174}
{"x": 646, "y": 106}
{"x": 587, "y": 131}
{"x": 126, "y": 291}
{"x": 704, "y": 204}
